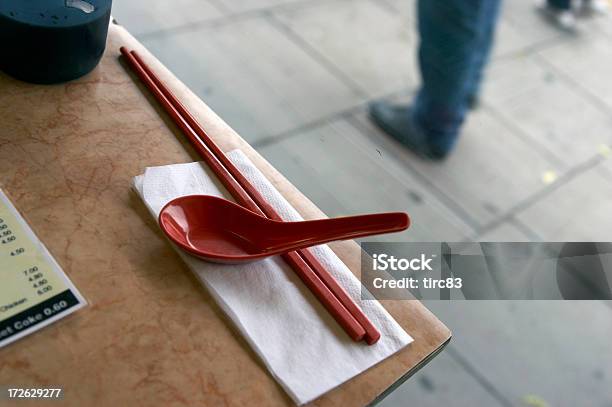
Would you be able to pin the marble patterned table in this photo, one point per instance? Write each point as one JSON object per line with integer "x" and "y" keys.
{"x": 151, "y": 334}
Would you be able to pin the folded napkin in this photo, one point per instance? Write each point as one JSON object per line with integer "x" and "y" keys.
{"x": 299, "y": 342}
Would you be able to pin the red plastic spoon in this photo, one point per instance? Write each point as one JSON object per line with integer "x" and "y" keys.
{"x": 218, "y": 230}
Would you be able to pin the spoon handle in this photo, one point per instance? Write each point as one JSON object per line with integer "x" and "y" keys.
{"x": 297, "y": 235}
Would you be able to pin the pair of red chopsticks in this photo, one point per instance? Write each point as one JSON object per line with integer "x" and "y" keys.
{"x": 322, "y": 284}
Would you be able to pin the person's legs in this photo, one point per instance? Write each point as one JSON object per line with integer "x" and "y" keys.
{"x": 455, "y": 41}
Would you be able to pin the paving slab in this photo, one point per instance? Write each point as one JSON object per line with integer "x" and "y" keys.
{"x": 507, "y": 231}
{"x": 509, "y": 40}
{"x": 603, "y": 23}
{"x": 407, "y": 9}
{"x": 546, "y": 109}
{"x": 578, "y": 210}
{"x": 370, "y": 45}
{"x": 490, "y": 171}
{"x": 255, "y": 78}
{"x": 607, "y": 163}
{"x": 146, "y": 16}
{"x": 555, "y": 351}
{"x": 444, "y": 382}
{"x": 587, "y": 59}
{"x": 249, "y": 5}
{"x": 343, "y": 173}
{"x": 514, "y": 78}
{"x": 524, "y": 17}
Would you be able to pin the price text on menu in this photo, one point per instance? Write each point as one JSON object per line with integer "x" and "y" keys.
{"x": 34, "y": 290}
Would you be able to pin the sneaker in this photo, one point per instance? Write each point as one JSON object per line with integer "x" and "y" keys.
{"x": 593, "y": 7}
{"x": 397, "y": 121}
{"x": 561, "y": 18}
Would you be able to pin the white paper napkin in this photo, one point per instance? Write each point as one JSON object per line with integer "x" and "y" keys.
{"x": 299, "y": 342}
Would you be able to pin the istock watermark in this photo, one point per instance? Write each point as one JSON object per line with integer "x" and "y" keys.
{"x": 487, "y": 270}
{"x": 386, "y": 262}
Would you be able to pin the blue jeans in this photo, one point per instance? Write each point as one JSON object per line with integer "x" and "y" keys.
{"x": 456, "y": 40}
{"x": 560, "y": 4}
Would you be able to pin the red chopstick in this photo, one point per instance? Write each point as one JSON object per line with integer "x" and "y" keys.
{"x": 372, "y": 334}
{"x": 312, "y": 281}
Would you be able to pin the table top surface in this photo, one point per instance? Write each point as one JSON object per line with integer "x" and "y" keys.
{"x": 151, "y": 334}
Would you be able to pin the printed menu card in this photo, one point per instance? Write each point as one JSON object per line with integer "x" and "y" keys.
{"x": 34, "y": 291}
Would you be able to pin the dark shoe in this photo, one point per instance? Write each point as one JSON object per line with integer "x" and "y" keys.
{"x": 564, "y": 19}
{"x": 591, "y": 8}
{"x": 397, "y": 121}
